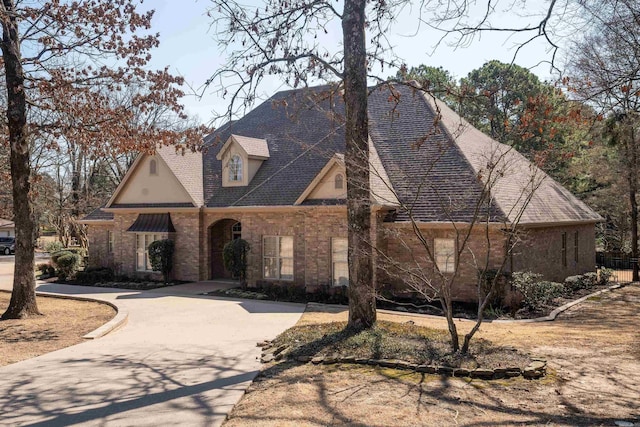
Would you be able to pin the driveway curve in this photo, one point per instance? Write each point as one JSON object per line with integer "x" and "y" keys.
{"x": 182, "y": 359}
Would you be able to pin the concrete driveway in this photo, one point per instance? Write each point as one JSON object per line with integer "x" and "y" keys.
{"x": 182, "y": 359}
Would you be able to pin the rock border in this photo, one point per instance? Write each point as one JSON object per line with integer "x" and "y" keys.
{"x": 535, "y": 370}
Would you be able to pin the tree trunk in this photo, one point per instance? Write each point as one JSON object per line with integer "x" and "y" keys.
{"x": 633, "y": 191}
{"x": 23, "y": 297}
{"x": 362, "y": 303}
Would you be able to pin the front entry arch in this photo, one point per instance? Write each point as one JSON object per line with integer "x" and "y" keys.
{"x": 221, "y": 233}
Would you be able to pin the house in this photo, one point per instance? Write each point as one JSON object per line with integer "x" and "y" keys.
{"x": 277, "y": 179}
{"x": 7, "y": 228}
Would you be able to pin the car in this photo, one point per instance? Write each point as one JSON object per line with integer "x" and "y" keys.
{"x": 7, "y": 245}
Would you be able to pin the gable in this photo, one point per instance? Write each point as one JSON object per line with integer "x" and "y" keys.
{"x": 140, "y": 186}
{"x": 325, "y": 188}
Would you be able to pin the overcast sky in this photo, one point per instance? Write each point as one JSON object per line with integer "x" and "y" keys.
{"x": 188, "y": 47}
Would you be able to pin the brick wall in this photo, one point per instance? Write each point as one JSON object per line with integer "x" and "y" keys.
{"x": 540, "y": 251}
{"x": 403, "y": 247}
{"x": 311, "y": 229}
{"x": 99, "y": 255}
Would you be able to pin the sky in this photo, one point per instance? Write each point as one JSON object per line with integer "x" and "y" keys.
{"x": 188, "y": 47}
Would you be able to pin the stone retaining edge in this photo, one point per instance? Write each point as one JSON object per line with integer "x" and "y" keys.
{"x": 118, "y": 321}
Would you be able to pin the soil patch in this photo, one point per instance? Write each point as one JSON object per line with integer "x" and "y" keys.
{"x": 593, "y": 354}
{"x": 64, "y": 322}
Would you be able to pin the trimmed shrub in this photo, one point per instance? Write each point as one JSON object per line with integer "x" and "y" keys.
{"x": 95, "y": 275}
{"x": 82, "y": 252}
{"x": 589, "y": 280}
{"x": 537, "y": 293}
{"x": 234, "y": 255}
{"x": 56, "y": 255}
{"x": 161, "y": 257}
{"x": 68, "y": 264}
{"x": 54, "y": 246}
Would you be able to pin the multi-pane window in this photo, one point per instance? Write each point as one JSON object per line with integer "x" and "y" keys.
{"x": 339, "y": 261}
{"x": 575, "y": 247}
{"x": 277, "y": 257}
{"x": 143, "y": 240}
{"x": 110, "y": 241}
{"x": 564, "y": 249}
{"x": 445, "y": 254}
{"x": 235, "y": 168}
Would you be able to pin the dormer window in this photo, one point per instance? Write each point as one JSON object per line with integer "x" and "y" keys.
{"x": 339, "y": 182}
{"x": 153, "y": 167}
{"x": 235, "y": 168}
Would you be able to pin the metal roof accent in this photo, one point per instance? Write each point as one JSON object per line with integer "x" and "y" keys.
{"x": 152, "y": 223}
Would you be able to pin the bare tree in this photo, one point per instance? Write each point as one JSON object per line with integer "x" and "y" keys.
{"x": 54, "y": 63}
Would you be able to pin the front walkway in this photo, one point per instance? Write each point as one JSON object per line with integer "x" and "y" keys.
{"x": 182, "y": 359}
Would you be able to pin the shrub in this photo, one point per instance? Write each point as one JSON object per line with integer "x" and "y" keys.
{"x": 42, "y": 268}
{"x": 82, "y": 252}
{"x": 234, "y": 255}
{"x": 46, "y": 269}
{"x": 95, "y": 275}
{"x": 575, "y": 283}
{"x": 589, "y": 280}
{"x": 604, "y": 276}
{"x": 536, "y": 292}
{"x": 58, "y": 254}
{"x": 68, "y": 264}
{"x": 54, "y": 246}
{"x": 161, "y": 257}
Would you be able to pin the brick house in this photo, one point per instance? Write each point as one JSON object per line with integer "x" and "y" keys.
{"x": 277, "y": 178}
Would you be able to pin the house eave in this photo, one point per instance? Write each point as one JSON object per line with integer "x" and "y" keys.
{"x": 155, "y": 209}
{"x": 95, "y": 221}
{"x": 559, "y": 223}
{"x": 273, "y": 208}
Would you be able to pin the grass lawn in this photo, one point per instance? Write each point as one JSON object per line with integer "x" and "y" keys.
{"x": 593, "y": 352}
{"x": 63, "y": 324}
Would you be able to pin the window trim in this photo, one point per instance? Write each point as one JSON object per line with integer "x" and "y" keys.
{"x": 338, "y": 179}
{"x": 435, "y": 255}
{"x": 334, "y": 262}
{"x": 147, "y": 261}
{"x": 576, "y": 256}
{"x": 278, "y": 258}
{"x": 564, "y": 249}
{"x": 235, "y": 168}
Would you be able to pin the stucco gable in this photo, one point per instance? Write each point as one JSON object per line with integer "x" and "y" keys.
{"x": 142, "y": 186}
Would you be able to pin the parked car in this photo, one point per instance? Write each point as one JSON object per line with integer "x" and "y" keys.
{"x": 7, "y": 245}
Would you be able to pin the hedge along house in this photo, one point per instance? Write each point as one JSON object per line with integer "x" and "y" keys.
{"x": 277, "y": 178}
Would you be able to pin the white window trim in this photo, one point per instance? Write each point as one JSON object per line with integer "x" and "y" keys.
{"x": 334, "y": 262}
{"x": 448, "y": 267}
{"x": 147, "y": 263}
{"x": 237, "y": 175}
{"x": 110, "y": 241}
{"x": 338, "y": 178}
{"x": 278, "y": 258}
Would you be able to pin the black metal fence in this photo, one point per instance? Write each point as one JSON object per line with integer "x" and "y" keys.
{"x": 621, "y": 263}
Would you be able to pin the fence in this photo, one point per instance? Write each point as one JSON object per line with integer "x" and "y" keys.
{"x": 621, "y": 263}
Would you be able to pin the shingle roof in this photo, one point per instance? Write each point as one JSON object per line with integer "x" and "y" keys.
{"x": 5, "y": 223}
{"x": 253, "y": 146}
{"x": 187, "y": 167}
{"x": 99, "y": 215}
{"x": 421, "y": 151}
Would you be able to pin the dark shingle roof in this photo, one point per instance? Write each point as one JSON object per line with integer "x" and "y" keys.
{"x": 151, "y": 205}
{"x": 434, "y": 164}
{"x": 99, "y": 215}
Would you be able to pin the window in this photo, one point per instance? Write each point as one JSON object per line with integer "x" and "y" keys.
{"x": 143, "y": 263}
{"x": 110, "y": 241}
{"x": 575, "y": 247}
{"x": 277, "y": 253}
{"x": 445, "y": 254}
{"x": 153, "y": 167}
{"x": 564, "y": 249}
{"x": 339, "y": 182}
{"x": 235, "y": 168}
{"x": 339, "y": 264}
{"x": 236, "y": 231}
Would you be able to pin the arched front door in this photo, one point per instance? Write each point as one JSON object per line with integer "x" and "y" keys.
{"x": 221, "y": 233}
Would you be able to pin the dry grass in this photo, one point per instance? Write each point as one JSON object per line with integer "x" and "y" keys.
{"x": 594, "y": 358}
{"x": 62, "y": 324}
{"x": 392, "y": 340}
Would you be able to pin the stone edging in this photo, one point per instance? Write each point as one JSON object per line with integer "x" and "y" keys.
{"x": 550, "y": 317}
{"x": 118, "y": 321}
{"x": 536, "y": 369}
